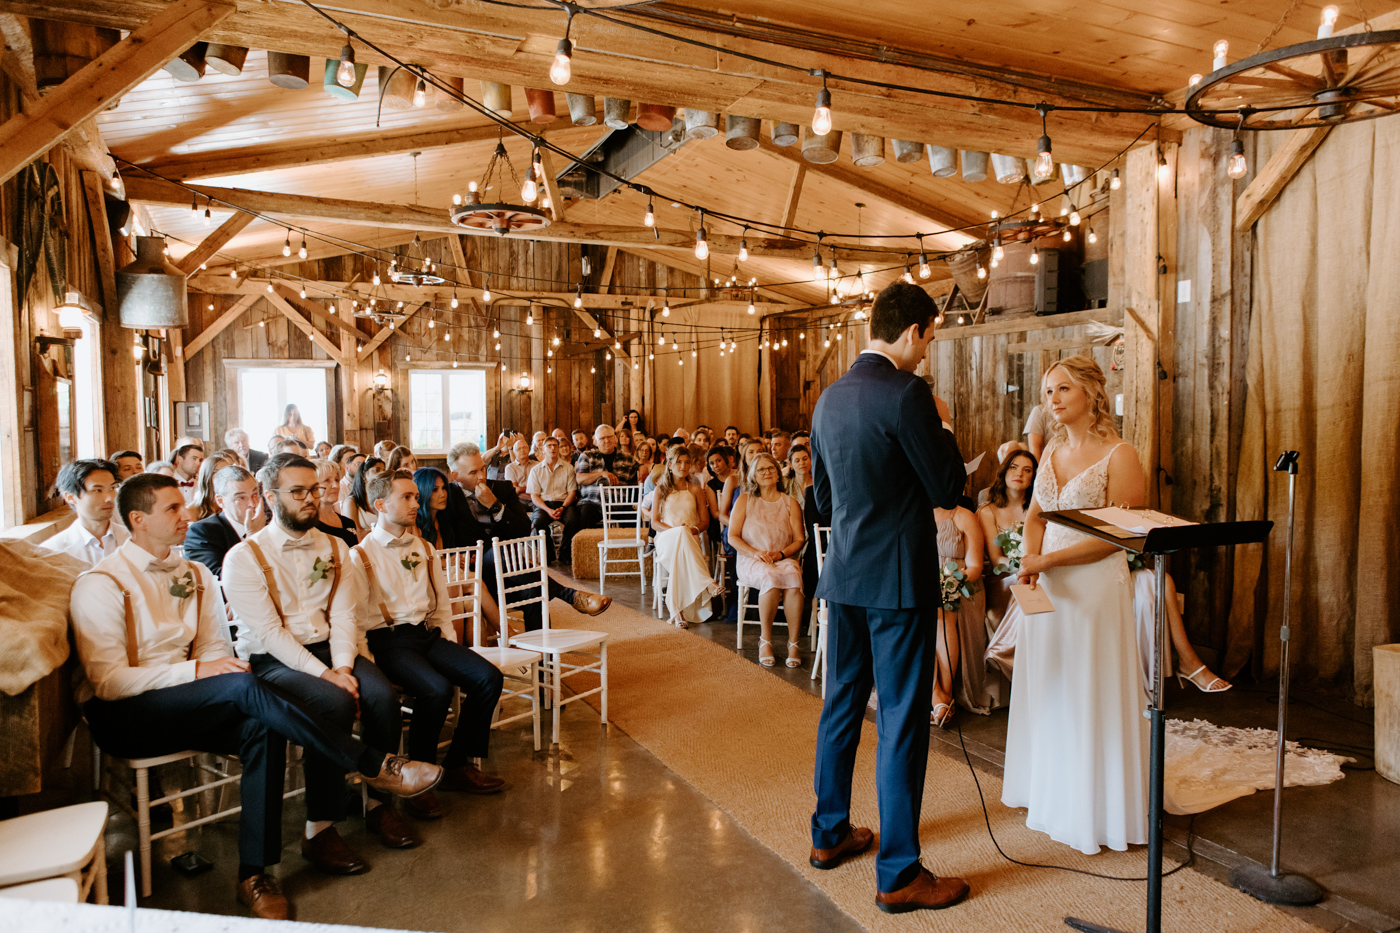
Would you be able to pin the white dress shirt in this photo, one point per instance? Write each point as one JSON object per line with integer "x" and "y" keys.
{"x": 551, "y": 483}
{"x": 411, "y": 595}
{"x": 171, "y": 638}
{"x": 189, "y": 488}
{"x": 77, "y": 541}
{"x": 237, "y": 528}
{"x": 260, "y": 631}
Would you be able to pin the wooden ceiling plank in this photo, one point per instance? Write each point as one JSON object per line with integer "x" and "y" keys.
{"x": 210, "y": 245}
{"x": 25, "y": 137}
{"x": 207, "y": 335}
{"x": 1276, "y": 174}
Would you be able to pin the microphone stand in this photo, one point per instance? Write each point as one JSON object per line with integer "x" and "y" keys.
{"x": 1274, "y": 885}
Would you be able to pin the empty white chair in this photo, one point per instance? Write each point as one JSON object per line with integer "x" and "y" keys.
{"x": 525, "y": 561}
{"x": 821, "y": 536}
{"x": 61, "y": 890}
{"x": 622, "y": 531}
{"x": 519, "y": 666}
{"x": 66, "y": 842}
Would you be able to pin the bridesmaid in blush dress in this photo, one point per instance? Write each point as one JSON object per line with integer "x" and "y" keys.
{"x": 1076, "y": 744}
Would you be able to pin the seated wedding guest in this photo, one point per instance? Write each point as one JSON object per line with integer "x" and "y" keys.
{"x": 89, "y": 488}
{"x": 1037, "y": 430}
{"x": 765, "y": 527}
{"x": 962, "y": 632}
{"x": 237, "y": 439}
{"x": 177, "y": 685}
{"x": 299, "y": 630}
{"x": 518, "y": 470}
{"x": 188, "y": 440}
{"x": 680, "y": 515}
{"x": 778, "y": 446}
{"x": 401, "y": 458}
{"x": 731, "y": 437}
{"x": 406, "y": 615}
{"x": 240, "y": 514}
{"x": 601, "y": 465}
{"x": 536, "y": 451}
{"x": 161, "y": 467}
{"x": 322, "y": 450}
{"x": 480, "y": 509}
{"x": 721, "y": 461}
{"x": 553, "y": 489}
{"x": 582, "y": 441}
{"x": 349, "y": 461}
{"x": 185, "y": 461}
{"x": 128, "y": 464}
{"x": 431, "y": 484}
{"x": 631, "y": 422}
{"x": 645, "y": 457}
{"x": 663, "y": 441}
{"x": 203, "y": 505}
{"x": 702, "y": 438}
{"x": 288, "y": 445}
{"x": 328, "y": 519}
{"x": 357, "y": 506}
{"x": 294, "y": 427}
{"x": 382, "y": 449}
{"x": 626, "y": 444}
{"x": 1008, "y": 499}
{"x": 800, "y": 477}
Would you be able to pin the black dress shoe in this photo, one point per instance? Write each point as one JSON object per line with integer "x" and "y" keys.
{"x": 384, "y": 821}
{"x": 330, "y": 854}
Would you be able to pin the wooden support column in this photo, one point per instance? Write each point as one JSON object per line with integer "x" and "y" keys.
{"x": 349, "y": 376}
{"x": 25, "y": 137}
{"x": 1275, "y": 176}
{"x": 305, "y": 326}
{"x": 794, "y": 195}
{"x": 537, "y": 373}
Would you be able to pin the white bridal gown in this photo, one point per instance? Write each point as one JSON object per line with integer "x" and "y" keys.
{"x": 1076, "y": 745}
{"x": 688, "y": 592}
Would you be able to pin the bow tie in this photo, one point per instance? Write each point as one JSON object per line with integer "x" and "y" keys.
{"x": 164, "y": 566}
{"x": 187, "y": 485}
{"x": 402, "y": 541}
{"x": 292, "y": 544}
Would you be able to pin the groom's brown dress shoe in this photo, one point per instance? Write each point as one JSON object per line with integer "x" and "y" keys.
{"x": 925, "y": 892}
{"x": 263, "y": 896}
{"x": 856, "y": 842}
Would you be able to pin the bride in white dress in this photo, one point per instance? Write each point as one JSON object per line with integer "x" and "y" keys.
{"x": 679, "y": 514}
{"x": 1076, "y": 745}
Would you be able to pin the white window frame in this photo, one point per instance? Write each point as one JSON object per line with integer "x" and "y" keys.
{"x": 406, "y": 380}
{"x": 232, "y": 400}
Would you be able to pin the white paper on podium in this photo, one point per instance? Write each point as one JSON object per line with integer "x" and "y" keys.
{"x": 1136, "y": 522}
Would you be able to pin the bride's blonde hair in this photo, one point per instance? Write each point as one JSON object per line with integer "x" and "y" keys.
{"x": 1083, "y": 372}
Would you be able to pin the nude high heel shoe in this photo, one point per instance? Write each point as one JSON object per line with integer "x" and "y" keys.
{"x": 1213, "y": 685}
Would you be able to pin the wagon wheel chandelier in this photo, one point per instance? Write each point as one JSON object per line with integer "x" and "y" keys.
{"x": 1324, "y": 82}
{"x": 500, "y": 217}
{"x": 414, "y": 269}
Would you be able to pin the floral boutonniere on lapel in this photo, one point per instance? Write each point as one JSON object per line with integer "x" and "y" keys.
{"x": 411, "y": 562}
{"x": 320, "y": 570}
{"x": 182, "y": 588}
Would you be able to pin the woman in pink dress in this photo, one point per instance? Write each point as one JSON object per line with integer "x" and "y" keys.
{"x": 765, "y": 527}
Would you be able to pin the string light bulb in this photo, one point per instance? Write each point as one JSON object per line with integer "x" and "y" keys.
{"x": 287, "y": 245}
{"x": 650, "y": 219}
{"x": 818, "y": 273}
{"x": 562, "y": 68}
{"x": 1194, "y": 80}
{"x": 578, "y": 297}
{"x": 821, "y": 116}
{"x": 1329, "y": 19}
{"x": 454, "y": 303}
{"x": 345, "y": 71}
{"x": 1114, "y": 182}
{"x": 1222, "y": 49}
{"x": 702, "y": 246}
{"x": 420, "y": 94}
{"x": 924, "y": 269}
{"x": 1164, "y": 171}
{"x": 1044, "y": 161}
{"x": 1092, "y": 237}
{"x": 376, "y": 275}
{"x": 1237, "y": 165}
{"x": 981, "y": 271}
{"x": 208, "y": 218}
{"x": 1074, "y": 217}
{"x": 1035, "y": 255}
{"x": 744, "y": 246}
{"x": 1065, "y": 237}
{"x": 303, "y": 291}
{"x": 529, "y": 317}
{"x": 486, "y": 292}
{"x": 301, "y": 253}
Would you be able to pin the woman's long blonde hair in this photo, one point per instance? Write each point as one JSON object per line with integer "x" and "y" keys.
{"x": 666, "y": 483}
{"x": 204, "y": 504}
{"x": 1086, "y": 374}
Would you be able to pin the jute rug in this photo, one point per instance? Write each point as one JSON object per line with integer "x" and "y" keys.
{"x": 746, "y": 740}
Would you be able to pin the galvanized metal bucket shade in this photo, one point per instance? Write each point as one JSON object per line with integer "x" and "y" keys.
{"x": 151, "y": 291}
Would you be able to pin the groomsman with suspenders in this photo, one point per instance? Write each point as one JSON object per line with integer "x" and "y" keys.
{"x": 407, "y": 620}
{"x": 159, "y": 677}
{"x": 298, "y": 628}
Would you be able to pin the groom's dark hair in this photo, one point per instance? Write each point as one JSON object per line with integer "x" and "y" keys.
{"x": 898, "y": 306}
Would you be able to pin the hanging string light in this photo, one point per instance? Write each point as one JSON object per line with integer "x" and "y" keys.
{"x": 1092, "y": 237}
{"x": 420, "y": 93}
{"x": 1044, "y": 161}
{"x": 561, "y": 69}
{"x": 1035, "y": 255}
{"x": 1237, "y": 166}
{"x": 666, "y": 302}
{"x": 287, "y": 245}
{"x": 208, "y": 218}
{"x": 578, "y": 296}
{"x": 486, "y": 292}
{"x": 744, "y": 246}
{"x": 650, "y": 219}
{"x": 821, "y": 116}
{"x": 345, "y": 71}
{"x": 1114, "y": 182}
{"x": 751, "y": 295}
{"x": 301, "y": 253}
{"x": 702, "y": 246}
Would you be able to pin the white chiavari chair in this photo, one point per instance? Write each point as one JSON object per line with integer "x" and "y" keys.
{"x": 821, "y": 537}
{"x": 622, "y": 531}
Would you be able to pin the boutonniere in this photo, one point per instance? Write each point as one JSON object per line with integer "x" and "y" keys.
{"x": 182, "y": 588}
{"x": 411, "y": 562}
{"x": 320, "y": 570}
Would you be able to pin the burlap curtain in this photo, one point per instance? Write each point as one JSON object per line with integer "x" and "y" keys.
{"x": 1323, "y": 378}
{"x": 708, "y": 388}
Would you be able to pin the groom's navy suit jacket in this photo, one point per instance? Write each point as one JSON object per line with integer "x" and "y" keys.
{"x": 881, "y": 461}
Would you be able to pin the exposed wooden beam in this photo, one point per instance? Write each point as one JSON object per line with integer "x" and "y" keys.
{"x": 25, "y": 137}
{"x": 214, "y": 242}
{"x": 794, "y": 195}
{"x": 551, "y": 186}
{"x": 434, "y": 220}
{"x": 612, "y": 338}
{"x": 1261, "y": 193}
{"x": 306, "y": 306}
{"x": 386, "y": 332}
{"x": 609, "y": 264}
{"x": 207, "y": 336}
{"x": 783, "y": 293}
{"x": 93, "y": 191}
{"x": 295, "y": 316}
{"x": 1030, "y": 321}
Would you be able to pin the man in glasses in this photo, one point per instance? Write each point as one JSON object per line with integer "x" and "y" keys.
{"x": 298, "y": 628}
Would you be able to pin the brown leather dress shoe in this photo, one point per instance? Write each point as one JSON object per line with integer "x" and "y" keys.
{"x": 330, "y": 854}
{"x": 926, "y": 892}
{"x": 469, "y": 779}
{"x": 425, "y": 806}
{"x": 405, "y": 777}
{"x": 590, "y": 604}
{"x": 856, "y": 842}
{"x": 263, "y": 896}
{"x": 384, "y": 821}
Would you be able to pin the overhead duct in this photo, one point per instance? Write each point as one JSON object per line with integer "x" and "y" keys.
{"x": 624, "y": 153}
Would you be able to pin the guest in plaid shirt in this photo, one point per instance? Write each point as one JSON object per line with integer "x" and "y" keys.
{"x": 599, "y": 466}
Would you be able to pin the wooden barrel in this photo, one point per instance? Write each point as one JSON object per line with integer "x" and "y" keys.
{"x": 867, "y": 151}
{"x": 617, "y": 112}
{"x": 1011, "y": 285}
{"x": 974, "y": 165}
{"x": 742, "y": 132}
{"x": 451, "y": 103}
{"x": 583, "y": 109}
{"x": 189, "y": 65}
{"x": 61, "y": 50}
{"x": 963, "y": 264}
{"x": 397, "y": 93}
{"x": 656, "y": 117}
{"x": 785, "y": 134}
{"x": 541, "y": 104}
{"x": 227, "y": 59}
{"x": 335, "y": 88}
{"x": 820, "y": 149}
{"x": 906, "y": 151}
{"x": 496, "y": 97}
{"x": 942, "y": 161}
{"x": 1009, "y": 170}
{"x": 701, "y": 124}
{"x": 291, "y": 72}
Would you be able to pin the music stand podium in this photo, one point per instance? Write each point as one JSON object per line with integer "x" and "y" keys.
{"x": 1158, "y": 543}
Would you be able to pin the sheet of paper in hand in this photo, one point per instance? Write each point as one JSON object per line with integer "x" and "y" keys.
{"x": 1136, "y": 521}
{"x": 1032, "y": 599}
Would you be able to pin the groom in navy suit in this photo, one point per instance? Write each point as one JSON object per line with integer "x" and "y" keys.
{"x": 883, "y": 456}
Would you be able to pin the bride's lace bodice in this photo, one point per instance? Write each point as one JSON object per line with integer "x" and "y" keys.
{"x": 1088, "y": 490}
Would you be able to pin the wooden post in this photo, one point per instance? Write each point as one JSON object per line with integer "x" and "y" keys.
{"x": 349, "y": 371}
{"x": 537, "y": 373}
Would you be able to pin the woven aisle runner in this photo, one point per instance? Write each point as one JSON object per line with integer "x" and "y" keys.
{"x": 746, "y": 740}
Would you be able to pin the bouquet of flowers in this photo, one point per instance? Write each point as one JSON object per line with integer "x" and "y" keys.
{"x": 1012, "y": 542}
{"x": 955, "y": 585}
{"x": 1137, "y": 562}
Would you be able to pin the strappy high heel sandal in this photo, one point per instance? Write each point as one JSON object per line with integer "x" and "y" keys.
{"x": 770, "y": 660}
{"x": 942, "y": 715}
{"x": 794, "y": 661}
{"x": 1214, "y": 685}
